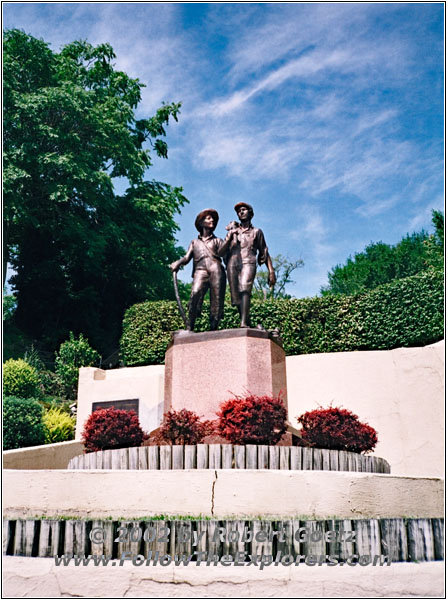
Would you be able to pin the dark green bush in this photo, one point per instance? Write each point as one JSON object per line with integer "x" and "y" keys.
{"x": 406, "y": 312}
{"x": 22, "y": 423}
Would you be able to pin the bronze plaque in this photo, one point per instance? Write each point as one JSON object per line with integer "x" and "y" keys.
{"x": 121, "y": 404}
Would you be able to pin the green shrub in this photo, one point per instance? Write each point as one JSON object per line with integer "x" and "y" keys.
{"x": 59, "y": 425}
{"x": 406, "y": 312}
{"x": 20, "y": 379}
{"x": 50, "y": 383}
{"x": 73, "y": 354}
{"x": 22, "y": 423}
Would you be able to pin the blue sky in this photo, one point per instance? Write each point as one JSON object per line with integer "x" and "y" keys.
{"x": 326, "y": 117}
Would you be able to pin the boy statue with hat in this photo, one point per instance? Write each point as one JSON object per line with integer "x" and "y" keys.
{"x": 246, "y": 245}
{"x": 208, "y": 272}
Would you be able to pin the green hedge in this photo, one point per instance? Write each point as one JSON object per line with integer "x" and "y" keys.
{"x": 405, "y": 312}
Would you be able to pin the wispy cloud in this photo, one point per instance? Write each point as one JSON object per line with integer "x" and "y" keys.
{"x": 327, "y": 124}
{"x": 424, "y": 215}
{"x": 324, "y": 104}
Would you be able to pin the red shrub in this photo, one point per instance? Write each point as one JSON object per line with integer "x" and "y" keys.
{"x": 184, "y": 427}
{"x": 337, "y": 429}
{"x": 252, "y": 420}
{"x": 109, "y": 428}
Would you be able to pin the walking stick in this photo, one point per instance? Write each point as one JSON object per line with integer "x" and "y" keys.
{"x": 177, "y": 297}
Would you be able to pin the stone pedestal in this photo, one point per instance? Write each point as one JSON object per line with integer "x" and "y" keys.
{"x": 205, "y": 369}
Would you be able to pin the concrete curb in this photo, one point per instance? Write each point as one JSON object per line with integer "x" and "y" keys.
{"x": 40, "y": 578}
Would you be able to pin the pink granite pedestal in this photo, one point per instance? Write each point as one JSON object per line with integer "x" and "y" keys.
{"x": 202, "y": 370}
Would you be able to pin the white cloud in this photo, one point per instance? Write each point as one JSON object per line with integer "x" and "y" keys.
{"x": 327, "y": 129}
{"x": 316, "y": 98}
{"x": 287, "y": 31}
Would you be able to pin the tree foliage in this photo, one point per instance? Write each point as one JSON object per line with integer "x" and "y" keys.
{"x": 381, "y": 263}
{"x": 81, "y": 252}
{"x": 434, "y": 245}
{"x": 9, "y": 306}
{"x": 284, "y": 268}
{"x": 73, "y": 354}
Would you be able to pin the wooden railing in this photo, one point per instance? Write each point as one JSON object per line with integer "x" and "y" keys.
{"x": 398, "y": 539}
{"x": 228, "y": 456}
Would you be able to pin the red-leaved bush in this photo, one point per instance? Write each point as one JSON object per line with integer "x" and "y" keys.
{"x": 109, "y": 428}
{"x": 252, "y": 420}
{"x": 184, "y": 427}
{"x": 336, "y": 429}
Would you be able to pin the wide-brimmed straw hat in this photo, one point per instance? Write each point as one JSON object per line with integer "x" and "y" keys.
{"x": 202, "y": 214}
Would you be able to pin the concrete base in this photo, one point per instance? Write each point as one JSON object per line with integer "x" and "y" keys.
{"x": 220, "y": 493}
{"x": 205, "y": 369}
{"x": 40, "y": 578}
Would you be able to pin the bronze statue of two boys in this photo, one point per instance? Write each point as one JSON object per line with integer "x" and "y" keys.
{"x": 243, "y": 247}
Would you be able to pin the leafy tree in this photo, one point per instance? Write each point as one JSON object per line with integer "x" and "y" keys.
{"x": 81, "y": 253}
{"x": 381, "y": 263}
{"x": 435, "y": 243}
{"x": 73, "y": 354}
{"x": 283, "y": 269}
{"x": 438, "y": 222}
{"x": 9, "y": 306}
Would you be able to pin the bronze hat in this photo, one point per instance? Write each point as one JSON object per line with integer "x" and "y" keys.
{"x": 249, "y": 206}
{"x": 203, "y": 214}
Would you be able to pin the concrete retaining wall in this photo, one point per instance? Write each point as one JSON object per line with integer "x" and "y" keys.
{"x": 219, "y": 493}
{"x": 398, "y": 392}
{"x": 143, "y": 383}
{"x": 49, "y": 456}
